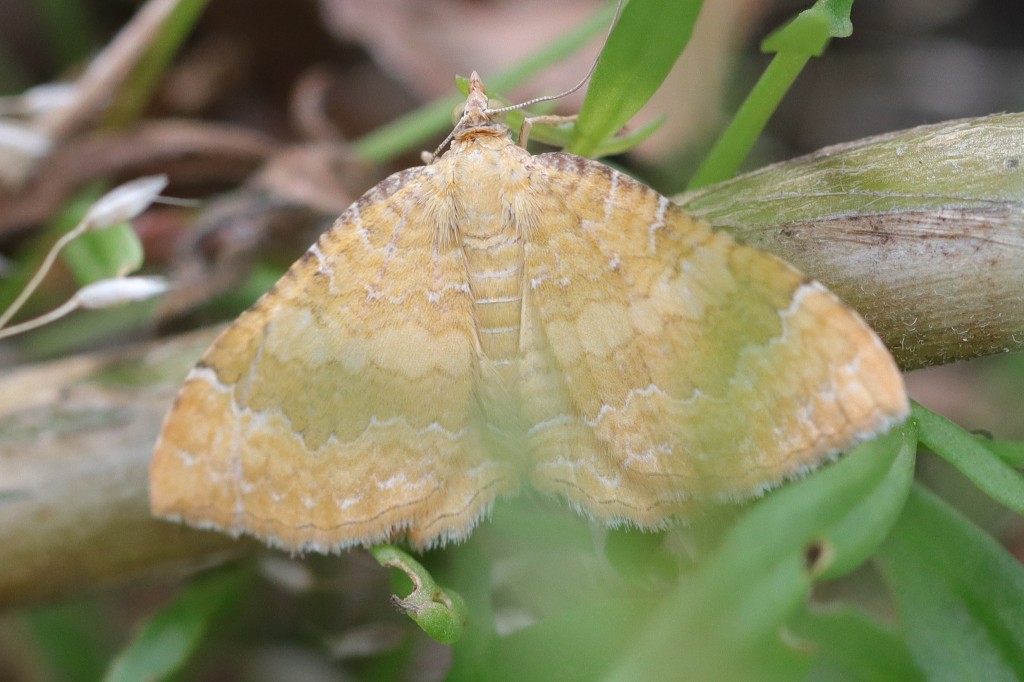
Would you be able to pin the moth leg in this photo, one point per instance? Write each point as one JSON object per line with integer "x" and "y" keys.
{"x": 550, "y": 119}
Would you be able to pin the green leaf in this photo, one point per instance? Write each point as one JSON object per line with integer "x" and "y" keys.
{"x": 809, "y": 32}
{"x": 1011, "y": 452}
{"x": 807, "y": 510}
{"x": 627, "y": 140}
{"x": 560, "y": 135}
{"x": 960, "y": 594}
{"x": 723, "y": 619}
{"x": 995, "y": 477}
{"x": 860, "y": 647}
{"x": 857, "y": 535}
{"x": 645, "y": 43}
{"x": 577, "y": 645}
{"x": 170, "y": 638}
{"x": 98, "y": 254}
{"x": 640, "y": 556}
{"x": 110, "y": 252}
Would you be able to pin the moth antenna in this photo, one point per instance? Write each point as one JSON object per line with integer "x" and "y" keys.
{"x": 583, "y": 81}
{"x": 430, "y": 158}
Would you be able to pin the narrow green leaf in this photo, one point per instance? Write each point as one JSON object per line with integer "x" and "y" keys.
{"x": 959, "y": 593}
{"x": 137, "y": 89}
{"x": 620, "y": 144}
{"x": 806, "y": 34}
{"x": 996, "y": 478}
{"x": 736, "y": 142}
{"x": 857, "y": 535}
{"x": 1011, "y": 452}
{"x": 647, "y": 40}
{"x": 559, "y": 136}
{"x": 640, "y": 556}
{"x": 596, "y": 633}
{"x": 809, "y": 32}
{"x": 171, "y": 638}
{"x": 838, "y": 13}
{"x": 805, "y": 37}
{"x": 726, "y": 615}
{"x": 806, "y": 510}
{"x": 861, "y": 647}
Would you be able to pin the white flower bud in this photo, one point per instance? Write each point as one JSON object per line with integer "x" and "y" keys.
{"x": 125, "y": 202}
{"x": 23, "y": 139}
{"x": 39, "y": 100}
{"x": 117, "y": 290}
{"x": 49, "y": 97}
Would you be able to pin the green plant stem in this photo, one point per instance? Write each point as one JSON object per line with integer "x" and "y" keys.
{"x": 735, "y": 143}
{"x": 65, "y": 308}
{"x": 134, "y": 94}
{"x": 440, "y": 612}
{"x": 44, "y": 268}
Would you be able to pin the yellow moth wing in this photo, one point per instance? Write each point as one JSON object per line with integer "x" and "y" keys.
{"x": 340, "y": 409}
{"x": 669, "y": 364}
{"x": 494, "y": 316}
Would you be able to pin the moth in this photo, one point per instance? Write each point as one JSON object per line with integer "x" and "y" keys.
{"x": 496, "y": 319}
